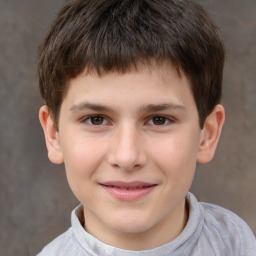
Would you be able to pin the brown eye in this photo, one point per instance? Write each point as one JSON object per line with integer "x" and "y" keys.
{"x": 159, "y": 120}
{"x": 96, "y": 120}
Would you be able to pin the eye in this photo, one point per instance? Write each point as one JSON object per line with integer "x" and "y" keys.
{"x": 160, "y": 120}
{"x": 96, "y": 120}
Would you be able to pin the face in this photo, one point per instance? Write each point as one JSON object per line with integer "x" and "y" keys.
{"x": 130, "y": 143}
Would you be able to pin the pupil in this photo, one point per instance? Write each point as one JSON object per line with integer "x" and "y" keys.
{"x": 159, "y": 120}
{"x": 97, "y": 120}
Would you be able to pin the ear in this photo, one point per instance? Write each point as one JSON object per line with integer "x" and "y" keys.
{"x": 210, "y": 134}
{"x": 51, "y": 136}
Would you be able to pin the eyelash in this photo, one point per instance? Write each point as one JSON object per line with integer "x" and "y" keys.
{"x": 164, "y": 120}
{"x": 161, "y": 118}
{"x": 88, "y": 120}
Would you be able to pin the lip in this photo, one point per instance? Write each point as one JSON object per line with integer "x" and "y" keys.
{"x": 128, "y": 191}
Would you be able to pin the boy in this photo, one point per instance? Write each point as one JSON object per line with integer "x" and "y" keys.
{"x": 132, "y": 95}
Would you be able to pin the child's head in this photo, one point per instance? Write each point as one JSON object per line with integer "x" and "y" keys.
{"x": 111, "y": 35}
{"x": 132, "y": 91}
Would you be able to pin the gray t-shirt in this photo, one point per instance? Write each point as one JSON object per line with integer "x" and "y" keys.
{"x": 210, "y": 231}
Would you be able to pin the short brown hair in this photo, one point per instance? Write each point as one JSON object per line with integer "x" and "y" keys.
{"x": 114, "y": 35}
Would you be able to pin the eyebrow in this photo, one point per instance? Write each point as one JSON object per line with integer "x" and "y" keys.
{"x": 147, "y": 108}
{"x": 90, "y": 106}
{"x": 160, "y": 107}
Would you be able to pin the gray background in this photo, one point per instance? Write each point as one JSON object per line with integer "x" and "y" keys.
{"x": 35, "y": 200}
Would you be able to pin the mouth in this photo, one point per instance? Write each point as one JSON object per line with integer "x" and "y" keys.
{"x": 128, "y": 191}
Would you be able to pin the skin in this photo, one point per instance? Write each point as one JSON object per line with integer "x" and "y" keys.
{"x": 141, "y": 126}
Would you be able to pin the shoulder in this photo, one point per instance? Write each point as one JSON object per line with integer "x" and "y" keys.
{"x": 222, "y": 224}
{"x": 65, "y": 244}
{"x": 226, "y": 219}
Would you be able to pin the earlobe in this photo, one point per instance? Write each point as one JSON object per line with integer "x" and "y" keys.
{"x": 51, "y": 136}
{"x": 210, "y": 134}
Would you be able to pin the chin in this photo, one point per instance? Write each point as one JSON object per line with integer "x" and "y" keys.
{"x": 130, "y": 226}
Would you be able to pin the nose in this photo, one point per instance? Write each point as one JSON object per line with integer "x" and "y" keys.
{"x": 126, "y": 150}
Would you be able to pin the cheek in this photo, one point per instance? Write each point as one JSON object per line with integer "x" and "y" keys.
{"x": 82, "y": 153}
{"x": 180, "y": 151}
{"x": 176, "y": 157}
{"x": 82, "y": 159}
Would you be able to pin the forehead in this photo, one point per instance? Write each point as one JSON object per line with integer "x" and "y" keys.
{"x": 144, "y": 86}
{"x": 155, "y": 69}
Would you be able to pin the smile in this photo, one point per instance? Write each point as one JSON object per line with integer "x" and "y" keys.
{"x": 128, "y": 188}
{"x": 128, "y": 191}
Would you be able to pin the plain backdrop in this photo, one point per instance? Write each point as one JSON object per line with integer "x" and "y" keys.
{"x": 35, "y": 200}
